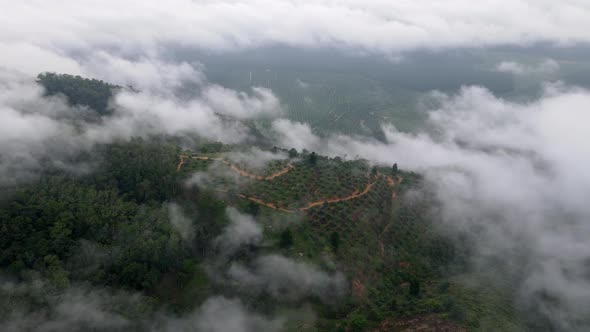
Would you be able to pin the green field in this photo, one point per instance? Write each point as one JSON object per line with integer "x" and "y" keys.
{"x": 332, "y": 102}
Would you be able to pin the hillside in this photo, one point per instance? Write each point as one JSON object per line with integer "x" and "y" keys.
{"x": 151, "y": 226}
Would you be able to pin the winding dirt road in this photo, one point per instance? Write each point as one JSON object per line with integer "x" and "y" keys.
{"x": 356, "y": 194}
{"x": 182, "y": 161}
{"x": 236, "y": 169}
{"x": 245, "y": 173}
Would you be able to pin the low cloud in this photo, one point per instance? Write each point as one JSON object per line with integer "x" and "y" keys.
{"x": 287, "y": 280}
{"x": 543, "y": 68}
{"x": 181, "y": 223}
{"x": 33, "y": 128}
{"x": 242, "y": 231}
{"x": 373, "y": 26}
{"x": 281, "y": 277}
{"x": 240, "y": 105}
{"x": 36, "y": 129}
{"x": 84, "y": 308}
{"x": 219, "y": 314}
{"x": 143, "y": 114}
{"x": 146, "y": 74}
{"x": 256, "y": 158}
{"x": 303, "y": 85}
{"x": 32, "y": 59}
{"x": 75, "y": 308}
{"x": 294, "y": 134}
{"x": 511, "y": 176}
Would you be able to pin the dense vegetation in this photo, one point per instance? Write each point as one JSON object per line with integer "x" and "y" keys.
{"x": 113, "y": 229}
{"x": 398, "y": 264}
{"x": 81, "y": 91}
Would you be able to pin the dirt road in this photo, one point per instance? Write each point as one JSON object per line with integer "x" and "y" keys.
{"x": 236, "y": 169}
{"x": 356, "y": 194}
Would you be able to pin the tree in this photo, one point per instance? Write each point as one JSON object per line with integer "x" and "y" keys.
{"x": 57, "y": 276}
{"x": 80, "y": 91}
{"x": 313, "y": 158}
{"x": 415, "y": 287}
{"x": 357, "y": 322}
{"x": 335, "y": 241}
{"x": 286, "y": 239}
{"x": 394, "y": 169}
{"x": 252, "y": 208}
{"x": 145, "y": 170}
{"x": 374, "y": 171}
{"x": 293, "y": 153}
{"x": 136, "y": 275}
{"x": 212, "y": 147}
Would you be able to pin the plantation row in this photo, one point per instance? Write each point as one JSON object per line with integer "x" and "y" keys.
{"x": 295, "y": 185}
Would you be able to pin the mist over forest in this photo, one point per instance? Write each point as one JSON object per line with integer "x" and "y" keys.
{"x": 271, "y": 165}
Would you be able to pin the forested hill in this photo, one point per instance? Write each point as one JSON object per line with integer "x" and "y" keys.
{"x": 79, "y": 91}
{"x": 154, "y": 234}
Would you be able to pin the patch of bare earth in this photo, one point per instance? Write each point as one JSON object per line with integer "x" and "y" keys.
{"x": 358, "y": 289}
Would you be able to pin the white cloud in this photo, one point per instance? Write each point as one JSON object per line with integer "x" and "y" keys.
{"x": 255, "y": 158}
{"x": 181, "y": 223}
{"x": 35, "y": 127}
{"x": 33, "y": 59}
{"x": 32, "y": 127}
{"x": 83, "y": 308}
{"x": 303, "y": 85}
{"x": 239, "y": 105}
{"x": 140, "y": 114}
{"x": 219, "y": 314}
{"x": 74, "y": 308}
{"x": 296, "y": 135}
{"x": 241, "y": 231}
{"x": 287, "y": 279}
{"x": 548, "y": 66}
{"x": 378, "y": 25}
{"x": 145, "y": 74}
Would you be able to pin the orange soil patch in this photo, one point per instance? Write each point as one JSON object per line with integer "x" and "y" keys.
{"x": 263, "y": 203}
{"x": 354, "y": 195}
{"x": 404, "y": 265}
{"x": 358, "y": 289}
{"x": 182, "y": 160}
{"x": 390, "y": 181}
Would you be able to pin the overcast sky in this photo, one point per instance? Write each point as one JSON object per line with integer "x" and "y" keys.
{"x": 35, "y": 35}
